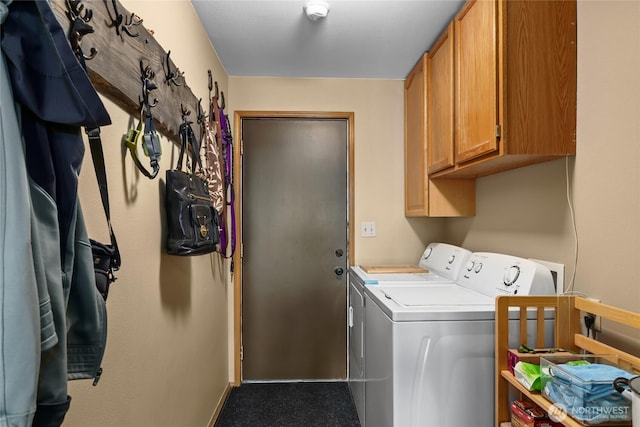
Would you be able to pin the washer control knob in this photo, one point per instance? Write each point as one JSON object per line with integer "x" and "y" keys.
{"x": 511, "y": 275}
{"x": 451, "y": 259}
{"x": 427, "y": 252}
{"x": 470, "y": 265}
{"x": 478, "y": 267}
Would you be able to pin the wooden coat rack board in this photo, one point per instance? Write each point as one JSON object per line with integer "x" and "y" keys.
{"x": 121, "y": 43}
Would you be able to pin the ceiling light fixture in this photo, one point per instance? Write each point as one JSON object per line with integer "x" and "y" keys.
{"x": 316, "y": 9}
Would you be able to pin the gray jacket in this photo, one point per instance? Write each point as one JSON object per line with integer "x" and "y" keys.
{"x": 20, "y": 340}
{"x": 53, "y": 318}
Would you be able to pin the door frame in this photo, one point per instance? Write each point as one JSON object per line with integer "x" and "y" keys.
{"x": 237, "y": 179}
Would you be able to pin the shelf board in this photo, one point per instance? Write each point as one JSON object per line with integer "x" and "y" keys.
{"x": 545, "y": 404}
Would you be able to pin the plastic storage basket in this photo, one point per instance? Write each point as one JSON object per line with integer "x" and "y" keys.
{"x": 582, "y": 386}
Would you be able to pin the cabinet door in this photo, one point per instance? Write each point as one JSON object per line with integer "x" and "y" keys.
{"x": 415, "y": 192}
{"x": 440, "y": 97}
{"x": 476, "y": 80}
{"x": 424, "y": 196}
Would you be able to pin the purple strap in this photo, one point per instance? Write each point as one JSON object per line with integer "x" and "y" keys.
{"x": 227, "y": 142}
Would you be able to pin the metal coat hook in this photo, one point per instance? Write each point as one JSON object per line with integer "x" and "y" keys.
{"x": 121, "y": 23}
{"x": 170, "y": 76}
{"x": 79, "y": 17}
{"x": 75, "y": 9}
{"x": 132, "y": 21}
{"x": 201, "y": 113}
{"x": 222, "y": 103}
{"x": 146, "y": 75}
{"x": 212, "y": 115}
{"x": 210, "y": 85}
{"x": 117, "y": 19}
{"x": 184, "y": 110}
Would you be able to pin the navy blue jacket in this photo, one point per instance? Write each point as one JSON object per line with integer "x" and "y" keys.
{"x": 55, "y": 98}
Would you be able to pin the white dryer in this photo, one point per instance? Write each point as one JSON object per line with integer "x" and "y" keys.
{"x": 444, "y": 263}
{"x": 430, "y": 349}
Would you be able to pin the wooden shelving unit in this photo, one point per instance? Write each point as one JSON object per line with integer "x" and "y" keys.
{"x": 568, "y": 311}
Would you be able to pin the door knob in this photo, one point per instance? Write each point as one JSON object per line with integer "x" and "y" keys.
{"x": 339, "y": 271}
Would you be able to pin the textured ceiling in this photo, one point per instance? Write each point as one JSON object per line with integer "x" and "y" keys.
{"x": 358, "y": 39}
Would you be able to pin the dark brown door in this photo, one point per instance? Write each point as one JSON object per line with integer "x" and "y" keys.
{"x": 294, "y": 265}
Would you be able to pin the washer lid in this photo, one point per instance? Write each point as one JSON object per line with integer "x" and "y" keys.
{"x": 427, "y": 302}
{"x": 434, "y": 295}
{"x": 387, "y": 278}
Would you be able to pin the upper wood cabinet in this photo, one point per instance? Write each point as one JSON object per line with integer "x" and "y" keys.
{"x": 424, "y": 196}
{"x": 515, "y": 87}
{"x": 440, "y": 105}
{"x": 415, "y": 155}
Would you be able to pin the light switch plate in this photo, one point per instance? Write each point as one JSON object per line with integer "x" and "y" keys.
{"x": 368, "y": 229}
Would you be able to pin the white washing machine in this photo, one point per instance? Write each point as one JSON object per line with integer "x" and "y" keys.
{"x": 430, "y": 349}
{"x": 444, "y": 263}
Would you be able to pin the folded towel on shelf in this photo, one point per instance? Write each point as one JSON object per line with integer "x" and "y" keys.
{"x": 586, "y": 392}
{"x": 590, "y": 374}
{"x": 588, "y": 408}
{"x": 590, "y": 381}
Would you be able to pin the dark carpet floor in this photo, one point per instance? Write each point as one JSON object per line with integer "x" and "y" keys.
{"x": 289, "y": 404}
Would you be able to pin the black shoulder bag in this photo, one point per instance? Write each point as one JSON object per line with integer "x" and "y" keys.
{"x": 106, "y": 258}
{"x": 192, "y": 222}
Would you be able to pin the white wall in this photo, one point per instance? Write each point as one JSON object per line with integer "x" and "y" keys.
{"x": 166, "y": 361}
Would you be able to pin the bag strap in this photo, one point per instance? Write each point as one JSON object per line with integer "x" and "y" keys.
{"x": 215, "y": 110}
{"x": 97, "y": 155}
{"x": 131, "y": 141}
{"x": 183, "y": 144}
{"x": 188, "y": 139}
{"x": 150, "y": 140}
{"x": 228, "y": 161}
{"x": 151, "y": 144}
{"x": 225, "y": 141}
